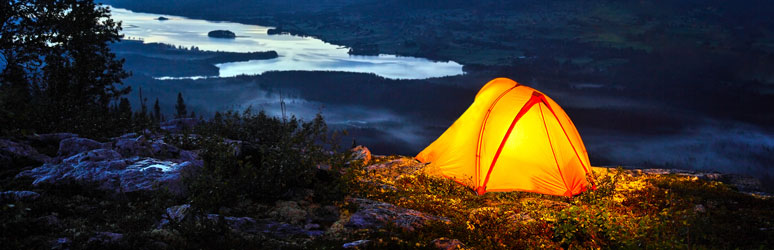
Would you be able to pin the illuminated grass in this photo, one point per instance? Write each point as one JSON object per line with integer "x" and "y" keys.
{"x": 627, "y": 211}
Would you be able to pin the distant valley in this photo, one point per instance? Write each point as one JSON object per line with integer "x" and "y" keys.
{"x": 688, "y": 99}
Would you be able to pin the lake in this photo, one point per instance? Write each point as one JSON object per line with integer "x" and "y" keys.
{"x": 295, "y": 52}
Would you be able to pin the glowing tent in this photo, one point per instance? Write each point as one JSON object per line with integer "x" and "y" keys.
{"x": 512, "y": 138}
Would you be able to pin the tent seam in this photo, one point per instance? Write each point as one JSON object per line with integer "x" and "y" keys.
{"x": 481, "y": 133}
{"x": 550, "y": 144}
{"x": 524, "y": 109}
{"x": 593, "y": 183}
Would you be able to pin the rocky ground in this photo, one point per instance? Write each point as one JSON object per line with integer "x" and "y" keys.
{"x": 61, "y": 191}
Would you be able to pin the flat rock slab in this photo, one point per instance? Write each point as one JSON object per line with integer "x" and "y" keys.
{"x": 108, "y": 170}
{"x": 14, "y": 196}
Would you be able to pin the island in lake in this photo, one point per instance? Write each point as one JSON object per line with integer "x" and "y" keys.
{"x": 164, "y": 60}
{"x": 222, "y": 34}
{"x": 274, "y": 31}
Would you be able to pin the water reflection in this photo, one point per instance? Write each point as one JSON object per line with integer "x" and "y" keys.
{"x": 295, "y": 52}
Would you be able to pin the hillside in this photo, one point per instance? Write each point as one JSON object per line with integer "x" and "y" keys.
{"x": 642, "y": 80}
{"x": 250, "y": 162}
{"x": 145, "y": 191}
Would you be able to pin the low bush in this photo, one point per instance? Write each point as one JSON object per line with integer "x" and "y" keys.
{"x": 252, "y": 156}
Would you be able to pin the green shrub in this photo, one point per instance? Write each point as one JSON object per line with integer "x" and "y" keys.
{"x": 254, "y": 156}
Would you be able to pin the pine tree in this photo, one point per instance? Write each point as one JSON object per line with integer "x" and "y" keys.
{"x": 124, "y": 110}
{"x": 157, "y": 111}
{"x": 142, "y": 119}
{"x": 143, "y": 107}
{"x": 180, "y": 106}
{"x": 66, "y": 43}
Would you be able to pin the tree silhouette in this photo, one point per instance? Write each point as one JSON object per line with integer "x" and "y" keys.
{"x": 124, "y": 112}
{"x": 56, "y": 58}
{"x": 180, "y": 106}
{"x": 143, "y": 106}
{"x": 157, "y": 111}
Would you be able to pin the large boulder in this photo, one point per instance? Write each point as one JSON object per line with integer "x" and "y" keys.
{"x": 150, "y": 174}
{"x": 374, "y": 214}
{"x": 133, "y": 145}
{"x": 361, "y": 153}
{"x": 91, "y": 165}
{"x": 14, "y": 153}
{"x": 108, "y": 170}
{"x": 75, "y": 145}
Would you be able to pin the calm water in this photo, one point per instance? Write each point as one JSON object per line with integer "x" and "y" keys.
{"x": 295, "y": 52}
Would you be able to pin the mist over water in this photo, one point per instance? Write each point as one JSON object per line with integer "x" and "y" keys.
{"x": 730, "y": 148}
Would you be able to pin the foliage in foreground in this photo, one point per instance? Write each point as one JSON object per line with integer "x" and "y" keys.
{"x": 627, "y": 211}
{"x": 251, "y": 161}
{"x": 276, "y": 157}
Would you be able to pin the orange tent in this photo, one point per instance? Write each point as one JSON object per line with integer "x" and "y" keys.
{"x": 512, "y": 138}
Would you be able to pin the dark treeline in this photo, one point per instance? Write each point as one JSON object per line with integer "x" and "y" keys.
{"x": 60, "y": 75}
{"x": 191, "y": 54}
{"x": 159, "y": 60}
{"x": 339, "y": 96}
{"x": 427, "y": 99}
